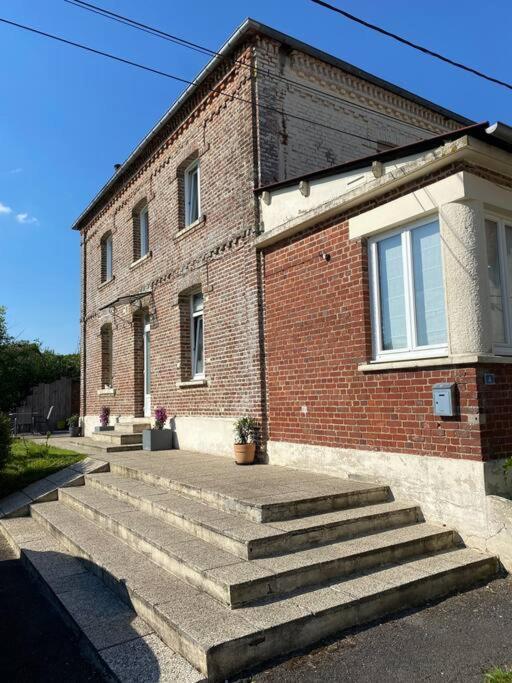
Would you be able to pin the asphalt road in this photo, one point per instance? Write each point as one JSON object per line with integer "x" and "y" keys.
{"x": 35, "y": 644}
{"x": 454, "y": 641}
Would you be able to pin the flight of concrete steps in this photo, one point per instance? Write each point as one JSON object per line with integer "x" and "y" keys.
{"x": 226, "y": 581}
{"x": 125, "y": 435}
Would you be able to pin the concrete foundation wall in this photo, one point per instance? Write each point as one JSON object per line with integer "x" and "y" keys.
{"x": 450, "y": 491}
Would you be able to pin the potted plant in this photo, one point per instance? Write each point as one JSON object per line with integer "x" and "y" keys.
{"x": 73, "y": 425}
{"x": 158, "y": 439}
{"x": 104, "y": 420}
{"x": 245, "y": 440}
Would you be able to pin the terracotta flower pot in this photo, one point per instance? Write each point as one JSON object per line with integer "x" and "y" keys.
{"x": 244, "y": 453}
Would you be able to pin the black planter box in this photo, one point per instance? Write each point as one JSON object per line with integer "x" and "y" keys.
{"x": 157, "y": 439}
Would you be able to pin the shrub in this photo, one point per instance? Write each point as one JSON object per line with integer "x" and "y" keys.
{"x": 245, "y": 430}
{"x": 5, "y": 439}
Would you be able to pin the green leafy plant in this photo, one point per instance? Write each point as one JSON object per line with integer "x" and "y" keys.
{"x": 245, "y": 430}
{"x": 73, "y": 421}
{"x": 498, "y": 675}
{"x": 507, "y": 467}
{"x": 5, "y": 439}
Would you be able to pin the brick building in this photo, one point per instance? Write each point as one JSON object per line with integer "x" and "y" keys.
{"x": 170, "y": 238}
{"x": 225, "y": 272}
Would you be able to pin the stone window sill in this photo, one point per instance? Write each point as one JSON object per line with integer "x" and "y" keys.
{"x": 189, "y": 228}
{"x": 141, "y": 260}
{"x": 108, "y": 391}
{"x": 411, "y": 363}
{"x": 201, "y": 382}
{"x": 107, "y": 282}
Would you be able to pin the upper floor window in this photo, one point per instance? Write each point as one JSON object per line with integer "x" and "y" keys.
{"x": 197, "y": 337}
{"x": 192, "y": 193}
{"x": 498, "y": 233}
{"x": 106, "y": 257}
{"x": 140, "y": 230}
{"x": 407, "y": 293}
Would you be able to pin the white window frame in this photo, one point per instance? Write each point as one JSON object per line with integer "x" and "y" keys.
{"x": 109, "y": 258}
{"x": 412, "y": 350}
{"x": 193, "y": 316}
{"x": 144, "y": 231}
{"x": 502, "y": 348}
{"x": 193, "y": 169}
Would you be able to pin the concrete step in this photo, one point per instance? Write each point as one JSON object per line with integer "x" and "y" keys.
{"x": 94, "y": 446}
{"x": 224, "y": 576}
{"x": 120, "y": 643}
{"x": 243, "y": 537}
{"x": 332, "y": 494}
{"x": 221, "y": 642}
{"x": 118, "y": 438}
{"x": 132, "y": 427}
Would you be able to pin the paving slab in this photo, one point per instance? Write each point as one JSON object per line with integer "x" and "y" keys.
{"x": 148, "y": 659}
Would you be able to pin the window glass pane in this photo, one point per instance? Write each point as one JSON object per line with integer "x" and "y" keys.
{"x": 494, "y": 276}
{"x": 392, "y": 296}
{"x": 144, "y": 232}
{"x": 197, "y": 303}
{"x": 508, "y": 244}
{"x": 108, "y": 258}
{"x": 193, "y": 195}
{"x": 428, "y": 285}
{"x": 198, "y": 345}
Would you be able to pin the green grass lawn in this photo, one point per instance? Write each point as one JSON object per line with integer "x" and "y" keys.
{"x": 31, "y": 461}
{"x": 498, "y": 675}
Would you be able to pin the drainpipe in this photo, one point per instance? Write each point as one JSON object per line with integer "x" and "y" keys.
{"x": 83, "y": 330}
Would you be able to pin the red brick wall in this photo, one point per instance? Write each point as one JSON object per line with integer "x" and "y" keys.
{"x": 496, "y": 407}
{"x": 317, "y": 331}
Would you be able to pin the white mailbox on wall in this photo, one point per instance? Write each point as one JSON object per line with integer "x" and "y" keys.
{"x": 443, "y": 399}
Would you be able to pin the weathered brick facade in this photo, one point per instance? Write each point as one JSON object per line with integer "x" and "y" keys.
{"x": 241, "y": 142}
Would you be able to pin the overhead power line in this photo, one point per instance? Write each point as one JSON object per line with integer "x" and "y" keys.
{"x": 201, "y": 49}
{"x": 415, "y": 46}
{"x": 179, "y": 79}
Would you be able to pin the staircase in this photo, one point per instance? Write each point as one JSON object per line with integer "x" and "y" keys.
{"x": 231, "y": 567}
{"x": 126, "y": 435}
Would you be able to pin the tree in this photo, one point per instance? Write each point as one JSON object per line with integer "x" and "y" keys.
{"x": 23, "y": 364}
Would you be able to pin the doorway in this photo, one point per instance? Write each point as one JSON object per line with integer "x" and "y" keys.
{"x": 147, "y": 366}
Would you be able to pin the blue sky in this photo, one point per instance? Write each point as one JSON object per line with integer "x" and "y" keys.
{"x": 66, "y": 116}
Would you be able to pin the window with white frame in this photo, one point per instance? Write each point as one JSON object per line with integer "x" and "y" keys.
{"x": 106, "y": 257}
{"x": 192, "y": 198}
{"x": 498, "y": 233}
{"x": 144, "y": 231}
{"x": 197, "y": 335}
{"x": 407, "y": 293}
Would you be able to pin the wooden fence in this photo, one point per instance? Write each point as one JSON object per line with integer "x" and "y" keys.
{"x": 63, "y": 395}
